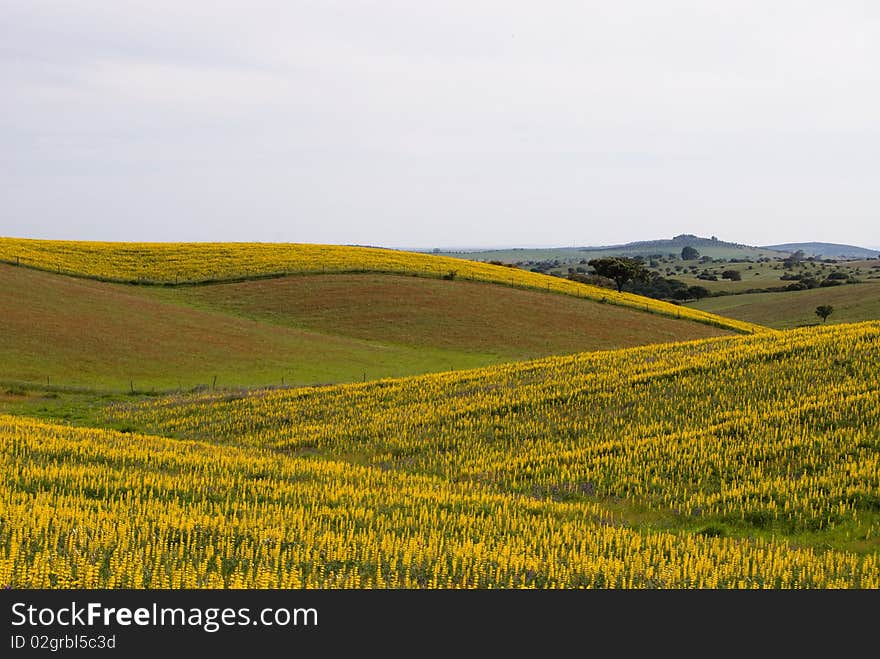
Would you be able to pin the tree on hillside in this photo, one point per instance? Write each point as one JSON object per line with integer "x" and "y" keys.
{"x": 793, "y": 259}
{"x": 823, "y": 311}
{"x": 689, "y": 253}
{"x": 698, "y": 292}
{"x": 621, "y": 269}
{"x": 732, "y": 275}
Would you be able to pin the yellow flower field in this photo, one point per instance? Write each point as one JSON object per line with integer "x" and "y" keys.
{"x": 778, "y": 431}
{"x": 739, "y": 462}
{"x": 82, "y": 508}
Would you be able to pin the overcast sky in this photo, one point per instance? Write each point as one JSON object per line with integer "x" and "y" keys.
{"x": 422, "y": 124}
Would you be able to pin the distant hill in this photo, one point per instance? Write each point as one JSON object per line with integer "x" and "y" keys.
{"x": 681, "y": 240}
{"x": 827, "y": 250}
{"x": 706, "y": 246}
{"x": 175, "y": 264}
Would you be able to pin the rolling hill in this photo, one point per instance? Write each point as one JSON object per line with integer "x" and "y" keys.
{"x": 634, "y": 424}
{"x": 852, "y": 303}
{"x": 198, "y": 263}
{"x": 303, "y": 329}
{"x": 733, "y": 462}
{"x": 728, "y": 460}
{"x": 827, "y": 250}
{"x": 706, "y": 246}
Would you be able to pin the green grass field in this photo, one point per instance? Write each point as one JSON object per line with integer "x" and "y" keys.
{"x": 471, "y": 316}
{"x": 851, "y": 302}
{"x": 765, "y": 274}
{"x": 80, "y": 333}
{"x": 68, "y": 332}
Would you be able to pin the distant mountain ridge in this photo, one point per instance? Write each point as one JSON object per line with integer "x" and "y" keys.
{"x": 827, "y": 250}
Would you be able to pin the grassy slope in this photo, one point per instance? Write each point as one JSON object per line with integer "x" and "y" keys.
{"x": 852, "y": 303}
{"x": 454, "y": 315}
{"x": 179, "y": 263}
{"x": 99, "y": 335}
{"x": 832, "y": 250}
{"x": 91, "y": 334}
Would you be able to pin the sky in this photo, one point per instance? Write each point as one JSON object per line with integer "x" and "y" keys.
{"x": 440, "y": 124}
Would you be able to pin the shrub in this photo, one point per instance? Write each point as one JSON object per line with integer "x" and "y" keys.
{"x": 698, "y": 292}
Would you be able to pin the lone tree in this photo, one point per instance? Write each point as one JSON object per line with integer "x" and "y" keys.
{"x": 732, "y": 275}
{"x": 793, "y": 259}
{"x": 689, "y": 253}
{"x": 823, "y": 311}
{"x": 621, "y": 269}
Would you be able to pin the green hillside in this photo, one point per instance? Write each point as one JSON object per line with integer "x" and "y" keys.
{"x": 82, "y": 333}
{"x": 180, "y": 264}
{"x": 851, "y": 302}
{"x": 827, "y": 250}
